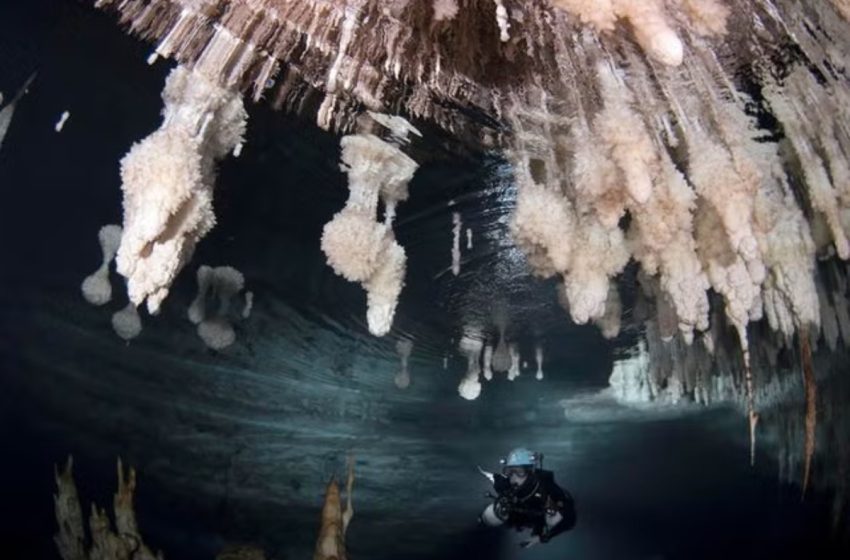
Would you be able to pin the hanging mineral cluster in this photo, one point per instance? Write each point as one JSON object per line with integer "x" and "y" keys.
{"x": 360, "y": 247}
{"x": 213, "y": 309}
{"x": 705, "y": 141}
{"x": 631, "y": 126}
{"x": 168, "y": 180}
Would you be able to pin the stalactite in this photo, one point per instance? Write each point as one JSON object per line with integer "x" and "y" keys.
{"x": 217, "y": 288}
{"x": 538, "y": 358}
{"x": 646, "y": 17}
{"x": 358, "y": 246}
{"x": 513, "y": 370}
{"x": 8, "y": 111}
{"x": 403, "y": 347}
{"x": 488, "y": 362}
{"x": 810, "y": 388}
{"x": 126, "y": 323}
{"x": 456, "y": 227}
{"x": 610, "y": 322}
{"x": 167, "y": 180}
{"x": 668, "y": 133}
{"x": 470, "y": 346}
{"x": 502, "y": 21}
{"x": 752, "y": 415}
{"x": 444, "y": 9}
{"x": 63, "y": 118}
{"x": 248, "y": 305}
{"x": 96, "y": 287}
{"x": 501, "y": 356}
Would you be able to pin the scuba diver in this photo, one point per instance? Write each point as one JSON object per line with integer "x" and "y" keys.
{"x": 527, "y": 497}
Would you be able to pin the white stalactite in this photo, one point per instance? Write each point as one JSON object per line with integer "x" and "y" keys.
{"x": 647, "y": 18}
{"x": 212, "y": 309}
{"x": 470, "y": 346}
{"x": 501, "y": 361}
{"x": 60, "y": 124}
{"x": 248, "y": 305}
{"x": 610, "y": 322}
{"x": 488, "y": 362}
{"x": 358, "y": 246}
{"x": 538, "y": 358}
{"x": 403, "y": 347}
{"x": 444, "y": 9}
{"x": 96, "y": 287}
{"x": 167, "y": 180}
{"x": 126, "y": 323}
{"x": 513, "y": 370}
{"x": 456, "y": 227}
{"x": 8, "y": 111}
{"x": 502, "y": 21}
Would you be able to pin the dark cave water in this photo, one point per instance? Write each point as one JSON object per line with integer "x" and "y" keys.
{"x": 237, "y": 446}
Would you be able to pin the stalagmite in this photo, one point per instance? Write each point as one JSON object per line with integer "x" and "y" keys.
{"x": 124, "y": 541}
{"x": 358, "y": 246}
{"x": 630, "y": 377}
{"x": 468, "y": 239}
{"x": 96, "y": 287}
{"x": 335, "y": 519}
{"x": 403, "y": 347}
{"x": 71, "y": 538}
{"x": 470, "y": 346}
{"x": 168, "y": 179}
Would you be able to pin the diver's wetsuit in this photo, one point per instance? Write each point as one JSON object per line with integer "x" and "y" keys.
{"x": 526, "y": 506}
